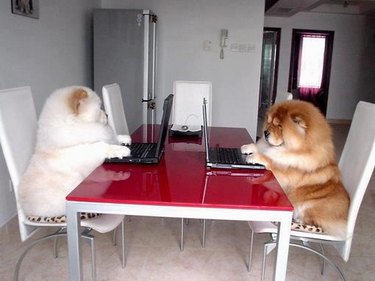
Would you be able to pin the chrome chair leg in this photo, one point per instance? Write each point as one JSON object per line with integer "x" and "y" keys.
{"x": 265, "y": 250}
{"x": 62, "y": 232}
{"x": 93, "y": 258}
{"x": 182, "y": 235}
{"x": 86, "y": 234}
{"x": 250, "y": 251}
{"x": 268, "y": 248}
{"x": 58, "y": 233}
{"x": 114, "y": 237}
{"x": 322, "y": 263}
{"x": 302, "y": 246}
{"x": 203, "y": 233}
{"x": 123, "y": 243}
{"x": 55, "y": 243}
{"x": 338, "y": 270}
{"x": 55, "y": 253}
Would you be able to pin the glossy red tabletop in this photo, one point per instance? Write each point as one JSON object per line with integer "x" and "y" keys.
{"x": 181, "y": 178}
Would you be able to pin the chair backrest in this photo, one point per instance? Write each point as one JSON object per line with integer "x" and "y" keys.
{"x": 357, "y": 165}
{"x": 283, "y": 96}
{"x": 18, "y": 125}
{"x": 114, "y": 107}
{"x": 188, "y": 100}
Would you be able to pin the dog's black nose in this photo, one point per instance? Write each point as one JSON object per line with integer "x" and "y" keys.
{"x": 266, "y": 134}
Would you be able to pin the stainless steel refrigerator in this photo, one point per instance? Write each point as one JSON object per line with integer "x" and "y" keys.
{"x": 124, "y": 52}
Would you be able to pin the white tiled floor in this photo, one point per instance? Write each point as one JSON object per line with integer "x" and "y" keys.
{"x": 153, "y": 251}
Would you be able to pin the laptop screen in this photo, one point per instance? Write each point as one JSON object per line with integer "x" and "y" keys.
{"x": 205, "y": 129}
{"x": 167, "y": 108}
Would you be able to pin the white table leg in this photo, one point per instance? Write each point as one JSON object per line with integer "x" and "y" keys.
{"x": 74, "y": 243}
{"x": 282, "y": 248}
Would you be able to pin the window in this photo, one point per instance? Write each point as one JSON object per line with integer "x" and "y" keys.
{"x": 312, "y": 62}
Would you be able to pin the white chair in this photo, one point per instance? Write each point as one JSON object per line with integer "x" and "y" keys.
{"x": 356, "y": 164}
{"x": 18, "y": 125}
{"x": 114, "y": 107}
{"x": 283, "y": 96}
{"x": 187, "y": 105}
{"x": 187, "y": 111}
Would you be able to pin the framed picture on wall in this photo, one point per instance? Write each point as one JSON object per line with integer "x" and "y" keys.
{"x": 28, "y": 8}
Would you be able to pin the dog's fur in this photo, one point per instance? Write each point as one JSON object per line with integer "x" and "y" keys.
{"x": 73, "y": 139}
{"x": 297, "y": 147}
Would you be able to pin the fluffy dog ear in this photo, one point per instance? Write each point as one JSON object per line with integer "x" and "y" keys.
{"x": 299, "y": 120}
{"x": 76, "y": 98}
{"x": 273, "y": 119}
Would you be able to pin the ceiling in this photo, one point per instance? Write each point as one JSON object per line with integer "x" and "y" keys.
{"x": 287, "y": 8}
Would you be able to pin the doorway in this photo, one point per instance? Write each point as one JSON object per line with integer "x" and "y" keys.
{"x": 310, "y": 66}
{"x": 269, "y": 72}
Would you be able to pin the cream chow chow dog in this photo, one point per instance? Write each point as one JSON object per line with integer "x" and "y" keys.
{"x": 297, "y": 147}
{"x": 73, "y": 139}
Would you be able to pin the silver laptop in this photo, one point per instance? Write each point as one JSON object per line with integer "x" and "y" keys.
{"x": 224, "y": 157}
{"x": 149, "y": 153}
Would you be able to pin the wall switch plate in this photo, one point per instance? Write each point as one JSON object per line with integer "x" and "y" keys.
{"x": 234, "y": 47}
{"x": 242, "y": 48}
{"x": 207, "y": 45}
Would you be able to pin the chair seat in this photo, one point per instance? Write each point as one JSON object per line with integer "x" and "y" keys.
{"x": 103, "y": 223}
{"x": 306, "y": 227}
{"x": 59, "y": 219}
{"x": 297, "y": 230}
{"x": 99, "y": 222}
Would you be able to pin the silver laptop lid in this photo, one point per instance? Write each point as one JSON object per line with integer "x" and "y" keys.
{"x": 167, "y": 108}
{"x": 205, "y": 130}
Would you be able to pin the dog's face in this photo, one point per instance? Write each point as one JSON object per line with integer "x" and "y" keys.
{"x": 288, "y": 124}
{"x": 86, "y": 106}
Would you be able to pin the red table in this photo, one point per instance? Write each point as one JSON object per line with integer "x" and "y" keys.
{"x": 181, "y": 186}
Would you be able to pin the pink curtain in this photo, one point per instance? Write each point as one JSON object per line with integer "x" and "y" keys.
{"x": 309, "y": 94}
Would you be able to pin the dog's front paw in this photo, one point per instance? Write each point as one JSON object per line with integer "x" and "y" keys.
{"x": 125, "y": 139}
{"x": 249, "y": 148}
{"x": 250, "y": 158}
{"x": 117, "y": 151}
{"x": 255, "y": 158}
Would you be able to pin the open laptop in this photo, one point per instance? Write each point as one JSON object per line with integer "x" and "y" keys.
{"x": 224, "y": 157}
{"x": 149, "y": 153}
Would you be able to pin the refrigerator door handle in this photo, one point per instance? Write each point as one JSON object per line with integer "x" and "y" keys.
{"x": 153, "y": 67}
{"x": 146, "y": 20}
{"x": 149, "y": 63}
{"x": 151, "y": 104}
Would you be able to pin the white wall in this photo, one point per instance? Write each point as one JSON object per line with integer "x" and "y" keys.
{"x": 182, "y": 28}
{"x": 347, "y": 64}
{"x": 46, "y": 53}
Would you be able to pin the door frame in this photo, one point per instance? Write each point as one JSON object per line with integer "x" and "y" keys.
{"x": 295, "y": 57}
{"x": 277, "y": 30}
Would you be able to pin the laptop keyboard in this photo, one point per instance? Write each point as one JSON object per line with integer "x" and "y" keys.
{"x": 141, "y": 150}
{"x": 228, "y": 155}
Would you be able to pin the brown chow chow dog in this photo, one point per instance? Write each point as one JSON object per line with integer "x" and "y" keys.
{"x": 297, "y": 147}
